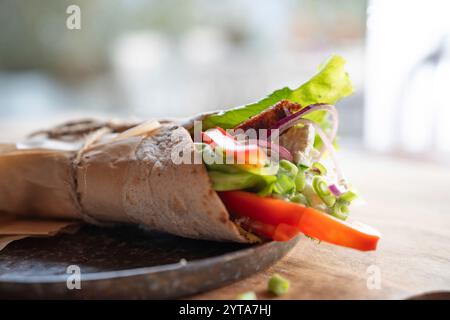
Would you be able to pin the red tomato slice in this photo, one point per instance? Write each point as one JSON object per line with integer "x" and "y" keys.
{"x": 312, "y": 222}
{"x": 245, "y": 154}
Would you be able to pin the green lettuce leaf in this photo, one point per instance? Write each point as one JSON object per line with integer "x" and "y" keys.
{"x": 330, "y": 84}
{"x": 223, "y": 181}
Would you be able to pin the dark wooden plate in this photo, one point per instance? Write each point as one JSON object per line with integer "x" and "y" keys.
{"x": 128, "y": 263}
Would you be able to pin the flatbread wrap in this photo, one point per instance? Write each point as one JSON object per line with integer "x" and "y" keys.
{"x": 129, "y": 180}
{"x": 262, "y": 174}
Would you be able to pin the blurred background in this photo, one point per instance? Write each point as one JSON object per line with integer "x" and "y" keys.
{"x": 147, "y": 58}
{"x": 140, "y": 59}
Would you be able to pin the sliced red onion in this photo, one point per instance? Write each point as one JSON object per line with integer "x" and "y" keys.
{"x": 335, "y": 190}
{"x": 335, "y": 121}
{"x": 287, "y": 112}
{"x": 293, "y": 119}
{"x": 282, "y": 151}
{"x": 293, "y": 116}
{"x": 327, "y": 145}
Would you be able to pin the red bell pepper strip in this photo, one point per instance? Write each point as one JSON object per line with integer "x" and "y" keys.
{"x": 307, "y": 220}
{"x": 266, "y": 210}
{"x": 285, "y": 232}
{"x": 242, "y": 153}
{"x": 282, "y": 232}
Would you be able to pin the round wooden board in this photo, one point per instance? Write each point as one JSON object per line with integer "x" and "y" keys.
{"x": 128, "y": 263}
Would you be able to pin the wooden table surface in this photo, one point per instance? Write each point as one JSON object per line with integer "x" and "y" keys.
{"x": 409, "y": 202}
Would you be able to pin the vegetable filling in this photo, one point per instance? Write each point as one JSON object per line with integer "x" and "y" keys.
{"x": 289, "y": 180}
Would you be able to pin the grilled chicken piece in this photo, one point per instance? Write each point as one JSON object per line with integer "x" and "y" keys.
{"x": 269, "y": 117}
{"x": 299, "y": 140}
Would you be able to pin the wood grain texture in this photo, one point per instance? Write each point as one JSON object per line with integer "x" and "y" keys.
{"x": 409, "y": 202}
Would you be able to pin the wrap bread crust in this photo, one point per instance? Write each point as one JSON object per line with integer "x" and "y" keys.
{"x": 132, "y": 180}
{"x": 38, "y": 183}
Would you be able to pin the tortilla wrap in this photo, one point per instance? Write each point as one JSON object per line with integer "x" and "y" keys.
{"x": 130, "y": 179}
